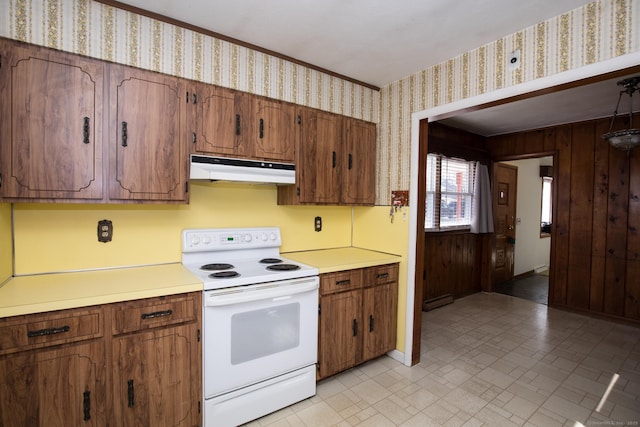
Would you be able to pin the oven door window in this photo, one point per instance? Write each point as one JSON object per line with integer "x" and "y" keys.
{"x": 260, "y": 333}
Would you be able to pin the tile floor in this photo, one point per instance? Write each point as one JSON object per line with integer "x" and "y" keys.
{"x": 489, "y": 360}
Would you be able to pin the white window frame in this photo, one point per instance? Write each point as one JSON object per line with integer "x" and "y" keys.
{"x": 433, "y": 217}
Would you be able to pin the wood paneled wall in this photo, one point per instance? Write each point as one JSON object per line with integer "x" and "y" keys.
{"x": 452, "y": 264}
{"x": 595, "y": 251}
{"x": 454, "y": 260}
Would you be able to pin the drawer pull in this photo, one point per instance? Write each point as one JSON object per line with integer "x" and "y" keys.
{"x": 382, "y": 276}
{"x": 86, "y": 405}
{"x": 343, "y": 282}
{"x": 130, "y": 391}
{"x": 146, "y": 316}
{"x": 49, "y": 331}
{"x": 371, "y": 323}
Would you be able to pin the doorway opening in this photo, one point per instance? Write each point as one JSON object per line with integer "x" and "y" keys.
{"x": 531, "y": 233}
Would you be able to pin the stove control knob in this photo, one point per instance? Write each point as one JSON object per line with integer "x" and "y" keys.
{"x": 273, "y": 236}
{"x": 206, "y": 240}
{"x": 247, "y": 237}
{"x": 264, "y": 237}
{"x": 195, "y": 240}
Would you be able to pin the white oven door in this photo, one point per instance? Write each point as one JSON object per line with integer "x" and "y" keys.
{"x": 254, "y": 333}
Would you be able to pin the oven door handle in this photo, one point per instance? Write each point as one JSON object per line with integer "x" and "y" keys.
{"x": 275, "y": 292}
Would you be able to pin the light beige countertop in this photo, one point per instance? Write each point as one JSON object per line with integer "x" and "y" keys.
{"x": 57, "y": 291}
{"x": 349, "y": 258}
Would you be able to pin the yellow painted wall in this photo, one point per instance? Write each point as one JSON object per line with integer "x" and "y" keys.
{"x": 52, "y": 238}
{"x": 6, "y": 255}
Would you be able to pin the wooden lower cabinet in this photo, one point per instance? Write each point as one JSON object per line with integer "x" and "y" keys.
{"x": 339, "y": 343}
{"x": 58, "y": 387}
{"x": 357, "y": 317}
{"x": 135, "y": 363}
{"x": 156, "y": 378}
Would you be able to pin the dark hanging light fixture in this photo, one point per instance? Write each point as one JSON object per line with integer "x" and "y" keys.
{"x": 626, "y": 139}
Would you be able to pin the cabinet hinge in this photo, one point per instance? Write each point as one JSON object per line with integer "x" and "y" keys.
{"x": 198, "y": 335}
{"x": 299, "y": 120}
{"x": 319, "y": 310}
{"x": 297, "y": 191}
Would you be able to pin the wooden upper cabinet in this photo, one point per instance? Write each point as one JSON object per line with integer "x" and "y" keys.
{"x": 359, "y": 163}
{"x": 275, "y": 130}
{"x": 147, "y": 136}
{"x": 336, "y": 161}
{"x": 218, "y": 121}
{"x": 318, "y": 177}
{"x": 51, "y": 131}
{"x": 236, "y": 124}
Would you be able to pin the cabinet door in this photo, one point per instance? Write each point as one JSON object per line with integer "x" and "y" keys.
{"x": 148, "y": 152}
{"x": 51, "y": 131}
{"x": 218, "y": 121}
{"x": 340, "y": 330}
{"x": 276, "y": 130}
{"x": 157, "y": 379}
{"x": 359, "y": 163}
{"x": 63, "y": 387}
{"x": 380, "y": 319}
{"x": 318, "y": 171}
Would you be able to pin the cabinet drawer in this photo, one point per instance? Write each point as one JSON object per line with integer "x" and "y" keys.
{"x": 381, "y": 274}
{"x": 150, "y": 313}
{"x": 340, "y": 281}
{"x": 47, "y": 329}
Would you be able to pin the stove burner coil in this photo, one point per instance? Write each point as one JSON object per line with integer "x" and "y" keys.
{"x": 224, "y": 275}
{"x": 283, "y": 267}
{"x": 270, "y": 260}
{"x": 216, "y": 266}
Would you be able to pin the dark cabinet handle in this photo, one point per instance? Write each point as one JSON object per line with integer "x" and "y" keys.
{"x": 350, "y": 161}
{"x": 333, "y": 162}
{"x": 261, "y": 128}
{"x": 86, "y": 405}
{"x": 187, "y": 97}
{"x": 130, "y": 391}
{"x": 195, "y": 98}
{"x": 237, "y": 124}
{"x": 355, "y": 328}
{"x": 382, "y": 276}
{"x": 343, "y": 282}
{"x": 49, "y": 331}
{"x": 371, "y": 323}
{"x": 124, "y": 134}
{"x": 85, "y": 130}
{"x": 155, "y": 314}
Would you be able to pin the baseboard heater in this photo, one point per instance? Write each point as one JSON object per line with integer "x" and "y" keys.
{"x": 434, "y": 303}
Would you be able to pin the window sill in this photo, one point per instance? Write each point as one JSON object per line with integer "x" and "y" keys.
{"x": 448, "y": 230}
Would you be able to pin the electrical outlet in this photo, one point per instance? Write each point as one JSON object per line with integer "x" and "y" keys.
{"x": 105, "y": 231}
{"x": 317, "y": 223}
{"x": 399, "y": 198}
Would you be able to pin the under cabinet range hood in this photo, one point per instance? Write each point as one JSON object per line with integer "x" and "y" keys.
{"x": 241, "y": 170}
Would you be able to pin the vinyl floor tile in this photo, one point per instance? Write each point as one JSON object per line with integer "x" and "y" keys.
{"x": 489, "y": 360}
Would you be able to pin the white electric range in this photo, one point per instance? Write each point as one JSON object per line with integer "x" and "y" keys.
{"x": 260, "y": 330}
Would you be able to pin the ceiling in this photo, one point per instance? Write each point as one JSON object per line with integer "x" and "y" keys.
{"x": 592, "y": 101}
{"x": 380, "y": 41}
